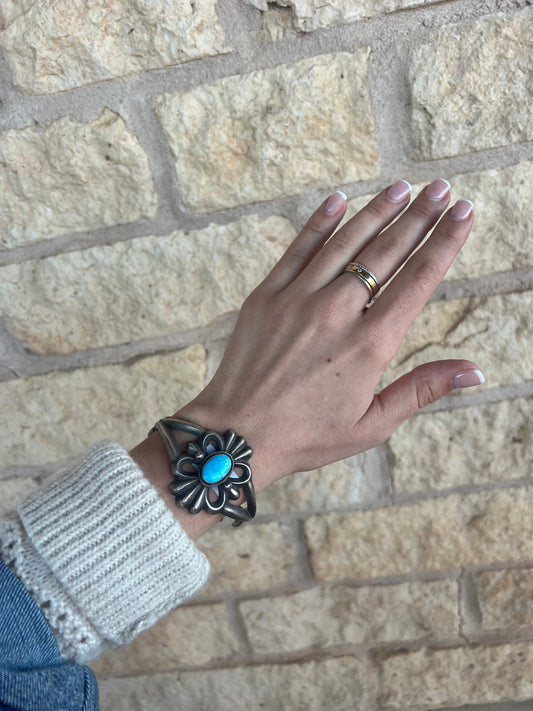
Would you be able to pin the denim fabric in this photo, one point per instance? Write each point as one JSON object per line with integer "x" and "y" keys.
{"x": 32, "y": 677}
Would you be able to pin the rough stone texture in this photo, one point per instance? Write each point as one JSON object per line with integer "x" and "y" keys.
{"x": 437, "y": 534}
{"x": 482, "y": 96}
{"x": 336, "y": 684}
{"x": 60, "y": 44}
{"x": 502, "y": 237}
{"x": 145, "y": 287}
{"x": 254, "y": 559}
{"x": 309, "y": 15}
{"x": 461, "y": 447}
{"x": 265, "y": 135}
{"x": 505, "y": 598}
{"x": 11, "y": 9}
{"x": 169, "y": 643}
{"x": 359, "y": 480}
{"x": 324, "y": 616}
{"x": 494, "y": 332}
{"x": 431, "y": 678}
{"x": 69, "y": 177}
{"x": 278, "y": 22}
{"x": 60, "y": 414}
{"x": 13, "y": 491}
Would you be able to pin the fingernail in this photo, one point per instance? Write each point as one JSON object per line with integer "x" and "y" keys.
{"x": 399, "y": 191}
{"x": 335, "y": 202}
{"x": 462, "y": 209}
{"x": 437, "y": 189}
{"x": 468, "y": 378}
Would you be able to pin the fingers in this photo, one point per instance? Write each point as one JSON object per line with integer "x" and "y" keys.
{"x": 387, "y": 252}
{"x": 317, "y": 230}
{"x": 408, "y": 292}
{"x": 352, "y": 237}
{"x": 422, "y": 386}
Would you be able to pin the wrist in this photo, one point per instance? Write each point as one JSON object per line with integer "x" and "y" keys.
{"x": 152, "y": 457}
{"x": 265, "y": 469}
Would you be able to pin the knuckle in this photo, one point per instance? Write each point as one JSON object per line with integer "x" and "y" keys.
{"x": 294, "y": 252}
{"x": 340, "y": 242}
{"x": 313, "y": 229}
{"x": 425, "y": 393}
{"x": 453, "y": 236}
{"x": 379, "y": 208}
{"x": 426, "y": 276}
{"x": 388, "y": 246}
{"x": 422, "y": 209}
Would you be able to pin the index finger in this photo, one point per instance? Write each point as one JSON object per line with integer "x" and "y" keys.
{"x": 408, "y": 292}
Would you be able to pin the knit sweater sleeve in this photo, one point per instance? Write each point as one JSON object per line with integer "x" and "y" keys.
{"x": 100, "y": 553}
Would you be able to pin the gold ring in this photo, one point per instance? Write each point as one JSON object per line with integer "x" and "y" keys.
{"x": 366, "y": 276}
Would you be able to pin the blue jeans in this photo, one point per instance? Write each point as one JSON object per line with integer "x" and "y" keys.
{"x": 32, "y": 677}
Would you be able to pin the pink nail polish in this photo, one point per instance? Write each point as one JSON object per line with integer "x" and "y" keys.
{"x": 461, "y": 210}
{"x": 468, "y": 379}
{"x": 335, "y": 202}
{"x": 399, "y": 191}
{"x": 437, "y": 189}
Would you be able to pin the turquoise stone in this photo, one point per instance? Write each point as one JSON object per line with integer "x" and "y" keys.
{"x": 216, "y": 468}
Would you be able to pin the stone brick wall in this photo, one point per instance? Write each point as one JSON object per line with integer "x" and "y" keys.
{"x": 156, "y": 158}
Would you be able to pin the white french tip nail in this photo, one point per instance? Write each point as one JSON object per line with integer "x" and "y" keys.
{"x": 476, "y": 371}
{"x": 341, "y": 193}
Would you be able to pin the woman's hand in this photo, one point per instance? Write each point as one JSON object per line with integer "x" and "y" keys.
{"x": 298, "y": 379}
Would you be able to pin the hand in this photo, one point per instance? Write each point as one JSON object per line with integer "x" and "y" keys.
{"x": 298, "y": 379}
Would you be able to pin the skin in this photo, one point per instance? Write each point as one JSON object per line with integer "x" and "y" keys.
{"x": 298, "y": 379}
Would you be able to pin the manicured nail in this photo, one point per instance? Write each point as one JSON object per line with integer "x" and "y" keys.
{"x": 462, "y": 209}
{"x": 335, "y": 202}
{"x": 468, "y": 378}
{"x": 437, "y": 189}
{"x": 399, "y": 191}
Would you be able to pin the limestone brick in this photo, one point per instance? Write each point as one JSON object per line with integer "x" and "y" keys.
{"x": 309, "y": 15}
{"x": 256, "y": 558}
{"x": 71, "y": 176}
{"x": 60, "y": 44}
{"x": 481, "y": 97}
{"x": 436, "y": 534}
{"x": 164, "y": 646}
{"x": 10, "y": 9}
{"x": 494, "y": 332}
{"x": 434, "y": 678}
{"x": 341, "y": 683}
{"x": 14, "y": 490}
{"x": 141, "y": 288}
{"x": 265, "y": 135}
{"x": 463, "y": 447}
{"x": 359, "y": 480}
{"x": 505, "y": 598}
{"x": 329, "y": 615}
{"x": 60, "y": 414}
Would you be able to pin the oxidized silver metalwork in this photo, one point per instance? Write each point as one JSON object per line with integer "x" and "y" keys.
{"x": 366, "y": 276}
{"x": 205, "y": 476}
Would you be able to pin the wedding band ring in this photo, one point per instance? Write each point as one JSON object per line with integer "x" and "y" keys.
{"x": 366, "y": 276}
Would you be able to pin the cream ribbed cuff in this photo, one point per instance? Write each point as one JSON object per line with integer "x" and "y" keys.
{"x": 112, "y": 547}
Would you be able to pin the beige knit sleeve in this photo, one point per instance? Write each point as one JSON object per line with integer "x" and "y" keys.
{"x": 101, "y": 553}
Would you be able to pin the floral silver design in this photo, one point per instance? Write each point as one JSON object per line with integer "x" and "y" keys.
{"x": 205, "y": 476}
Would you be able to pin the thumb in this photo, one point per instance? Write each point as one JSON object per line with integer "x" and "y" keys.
{"x": 422, "y": 386}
